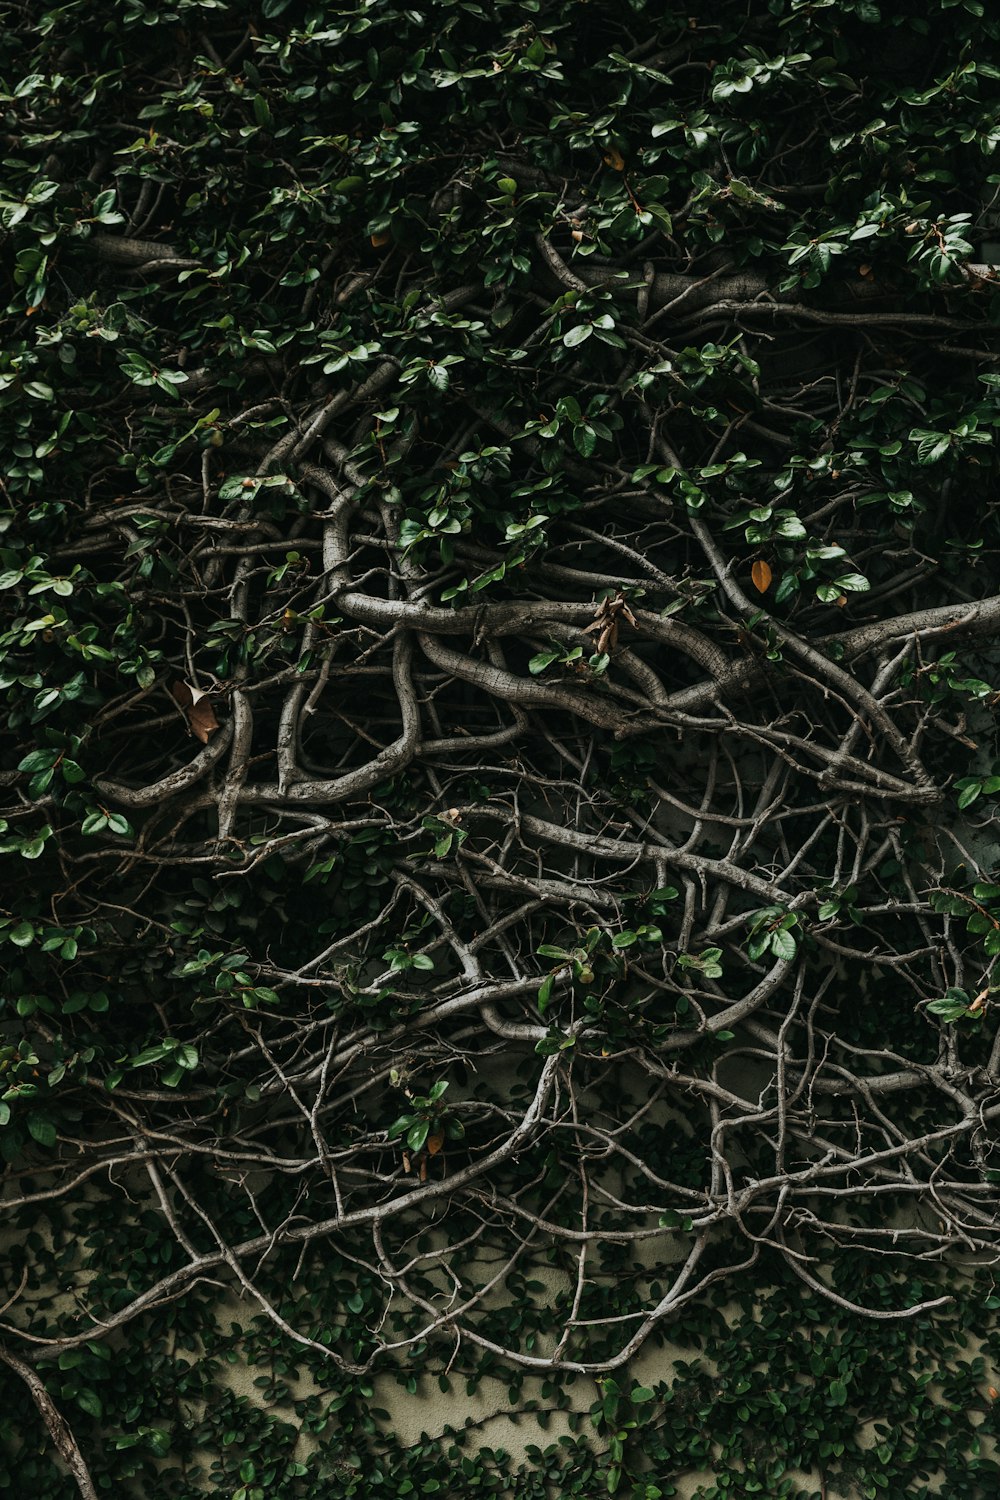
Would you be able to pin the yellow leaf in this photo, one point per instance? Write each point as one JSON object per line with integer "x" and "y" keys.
{"x": 378, "y": 240}
{"x": 614, "y": 159}
{"x": 761, "y": 575}
{"x": 435, "y": 1142}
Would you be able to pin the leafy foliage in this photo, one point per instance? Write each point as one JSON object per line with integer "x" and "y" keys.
{"x": 498, "y": 632}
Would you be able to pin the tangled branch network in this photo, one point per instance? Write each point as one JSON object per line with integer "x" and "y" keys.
{"x": 523, "y": 759}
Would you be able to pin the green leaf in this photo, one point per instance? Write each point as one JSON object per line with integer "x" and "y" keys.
{"x": 783, "y": 945}
{"x": 149, "y": 1055}
{"x": 38, "y": 760}
{"x": 41, "y": 1129}
{"x": 544, "y": 659}
{"x": 90, "y": 1402}
{"x": 261, "y": 995}
{"x": 949, "y": 1009}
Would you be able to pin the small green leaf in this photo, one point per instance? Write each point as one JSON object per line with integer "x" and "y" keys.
{"x": 783, "y": 945}
{"x": 149, "y": 1055}
{"x": 42, "y": 1130}
{"x": 90, "y": 1402}
{"x": 584, "y": 440}
{"x": 949, "y": 1009}
{"x": 544, "y": 659}
{"x": 38, "y": 760}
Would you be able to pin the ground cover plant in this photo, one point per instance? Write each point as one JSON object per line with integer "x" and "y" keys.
{"x": 498, "y": 630}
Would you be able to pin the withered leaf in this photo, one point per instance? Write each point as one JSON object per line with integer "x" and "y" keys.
{"x": 761, "y": 575}
{"x": 610, "y": 612}
{"x": 197, "y": 709}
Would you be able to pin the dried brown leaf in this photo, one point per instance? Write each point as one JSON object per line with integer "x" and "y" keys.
{"x": 197, "y": 710}
{"x": 761, "y": 575}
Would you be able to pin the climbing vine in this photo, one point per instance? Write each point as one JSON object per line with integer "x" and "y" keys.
{"x": 498, "y": 632}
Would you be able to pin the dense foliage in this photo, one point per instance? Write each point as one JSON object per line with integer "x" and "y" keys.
{"x": 498, "y": 630}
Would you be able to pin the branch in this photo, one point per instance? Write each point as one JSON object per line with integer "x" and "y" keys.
{"x": 65, "y": 1443}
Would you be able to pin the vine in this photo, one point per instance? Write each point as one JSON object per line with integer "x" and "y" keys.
{"x": 498, "y": 627}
